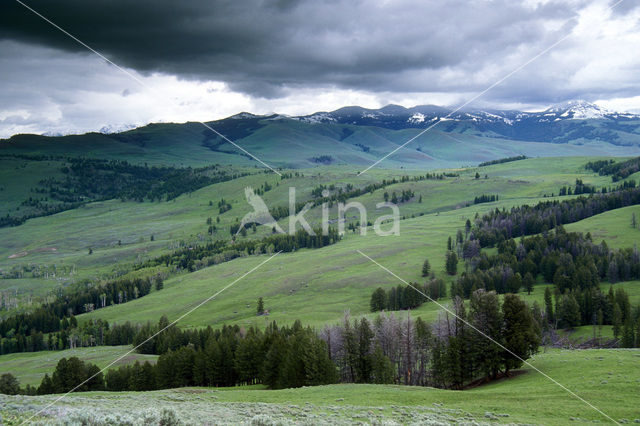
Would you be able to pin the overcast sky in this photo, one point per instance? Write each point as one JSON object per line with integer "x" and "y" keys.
{"x": 202, "y": 60}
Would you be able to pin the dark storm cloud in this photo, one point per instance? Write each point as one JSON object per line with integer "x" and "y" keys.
{"x": 261, "y": 47}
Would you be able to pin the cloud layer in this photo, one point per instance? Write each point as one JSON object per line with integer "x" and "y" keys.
{"x": 301, "y": 56}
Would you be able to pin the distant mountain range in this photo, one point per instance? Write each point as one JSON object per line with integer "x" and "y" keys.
{"x": 359, "y": 136}
{"x": 570, "y": 121}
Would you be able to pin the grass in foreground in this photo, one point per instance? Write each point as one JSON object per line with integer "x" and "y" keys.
{"x": 608, "y": 379}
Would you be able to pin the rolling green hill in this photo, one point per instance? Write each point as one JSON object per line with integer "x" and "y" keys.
{"x": 295, "y": 143}
{"x": 607, "y": 379}
{"x": 119, "y": 233}
{"x": 102, "y": 240}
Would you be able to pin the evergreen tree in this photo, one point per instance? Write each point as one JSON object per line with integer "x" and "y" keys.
{"x": 147, "y": 380}
{"x": 528, "y": 282}
{"x": 71, "y": 372}
{"x": 617, "y": 320}
{"x": 568, "y": 312}
{"x": 46, "y": 385}
{"x": 319, "y": 369}
{"x": 514, "y": 283}
{"x": 548, "y": 306}
{"x": 628, "y": 334}
{"x": 382, "y": 370}
{"x": 426, "y": 267}
{"x": 451, "y": 263}
{"x": 93, "y": 377}
{"x": 273, "y": 360}
{"x": 260, "y": 308}
{"x": 519, "y": 333}
{"x": 378, "y": 300}
{"x": 9, "y": 385}
{"x": 363, "y": 364}
{"x": 423, "y": 345}
{"x": 350, "y": 350}
{"x": 248, "y": 357}
{"x": 456, "y": 359}
{"x": 485, "y": 316}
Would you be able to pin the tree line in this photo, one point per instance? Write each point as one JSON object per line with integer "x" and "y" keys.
{"x": 449, "y": 354}
{"x": 503, "y": 160}
{"x": 617, "y": 170}
{"x": 406, "y": 297}
{"x": 24, "y": 332}
{"x": 500, "y": 225}
{"x": 485, "y": 199}
{"x": 89, "y": 179}
{"x": 584, "y": 188}
{"x": 570, "y": 260}
{"x": 199, "y": 256}
{"x": 339, "y": 194}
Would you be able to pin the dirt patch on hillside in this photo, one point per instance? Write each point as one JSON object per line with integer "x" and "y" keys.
{"x": 501, "y": 377}
{"x": 187, "y": 390}
{"x": 26, "y": 253}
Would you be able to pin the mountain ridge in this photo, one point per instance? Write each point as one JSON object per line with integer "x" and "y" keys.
{"x": 358, "y": 136}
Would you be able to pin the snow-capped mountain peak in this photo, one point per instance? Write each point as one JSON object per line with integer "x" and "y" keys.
{"x": 578, "y": 110}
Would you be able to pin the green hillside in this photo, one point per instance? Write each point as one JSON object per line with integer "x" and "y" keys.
{"x": 333, "y": 279}
{"x": 119, "y": 233}
{"x": 607, "y": 379}
{"x": 291, "y": 143}
{"x": 102, "y": 241}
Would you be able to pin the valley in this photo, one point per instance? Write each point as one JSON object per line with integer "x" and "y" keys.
{"x": 105, "y": 241}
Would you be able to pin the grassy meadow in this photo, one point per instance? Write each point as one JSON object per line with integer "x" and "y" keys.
{"x": 606, "y": 378}
{"x": 317, "y": 286}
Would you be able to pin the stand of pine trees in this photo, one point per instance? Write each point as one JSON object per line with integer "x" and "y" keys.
{"x": 503, "y": 160}
{"x": 485, "y": 199}
{"x": 617, "y": 171}
{"x": 407, "y": 297}
{"x": 500, "y": 225}
{"x": 200, "y": 256}
{"x": 571, "y": 261}
{"x": 25, "y": 332}
{"x": 90, "y": 179}
{"x": 450, "y": 353}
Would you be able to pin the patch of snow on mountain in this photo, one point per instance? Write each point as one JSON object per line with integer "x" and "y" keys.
{"x": 416, "y": 118}
{"x": 320, "y": 117}
{"x": 116, "y": 128}
{"x": 242, "y": 115}
{"x": 578, "y": 110}
{"x": 276, "y": 117}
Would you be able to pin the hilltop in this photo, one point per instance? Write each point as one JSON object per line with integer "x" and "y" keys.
{"x": 357, "y": 136}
